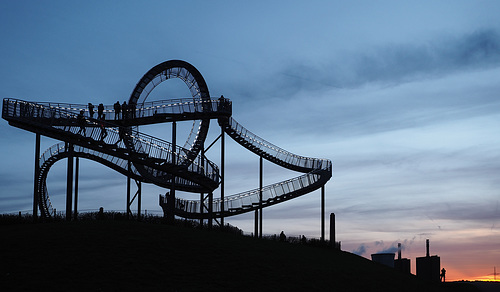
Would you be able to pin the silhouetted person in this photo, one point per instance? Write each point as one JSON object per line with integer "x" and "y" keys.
{"x": 121, "y": 135}
{"x": 124, "y": 110}
{"x": 100, "y": 215}
{"x": 117, "y": 110}
{"x": 100, "y": 111}
{"x": 443, "y": 275}
{"x": 104, "y": 133}
{"x": 81, "y": 122}
{"x": 131, "y": 108}
{"x": 282, "y": 236}
{"x": 91, "y": 110}
{"x": 222, "y": 103}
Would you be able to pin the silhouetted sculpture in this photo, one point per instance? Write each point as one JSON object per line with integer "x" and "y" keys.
{"x": 152, "y": 157}
{"x": 91, "y": 110}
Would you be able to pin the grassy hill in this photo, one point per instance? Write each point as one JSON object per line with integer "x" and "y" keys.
{"x": 134, "y": 256}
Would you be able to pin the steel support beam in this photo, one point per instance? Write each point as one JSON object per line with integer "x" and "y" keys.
{"x": 323, "y": 213}
{"x": 261, "y": 171}
{"x": 210, "y": 210}
{"x": 77, "y": 166}
{"x": 138, "y": 194}
{"x": 129, "y": 168}
{"x": 69, "y": 181}
{"x": 256, "y": 226}
{"x": 35, "y": 181}
{"x": 222, "y": 174}
{"x": 171, "y": 200}
{"x": 202, "y": 206}
{"x": 202, "y": 196}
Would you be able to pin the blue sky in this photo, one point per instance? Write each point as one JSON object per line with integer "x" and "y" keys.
{"x": 402, "y": 97}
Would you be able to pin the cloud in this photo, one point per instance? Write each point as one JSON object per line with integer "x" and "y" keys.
{"x": 393, "y": 64}
{"x": 360, "y": 250}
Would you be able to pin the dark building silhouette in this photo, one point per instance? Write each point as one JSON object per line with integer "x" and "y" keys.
{"x": 401, "y": 264}
{"x": 429, "y": 267}
{"x": 384, "y": 258}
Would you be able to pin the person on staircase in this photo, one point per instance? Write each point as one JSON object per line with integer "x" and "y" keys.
{"x": 81, "y": 122}
{"x": 104, "y": 133}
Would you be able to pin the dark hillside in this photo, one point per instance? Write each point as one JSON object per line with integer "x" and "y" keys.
{"x": 133, "y": 256}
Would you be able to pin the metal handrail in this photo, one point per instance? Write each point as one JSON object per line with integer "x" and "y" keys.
{"x": 317, "y": 169}
{"x": 145, "y": 109}
{"x": 250, "y": 198}
{"x": 143, "y": 143}
{"x": 277, "y": 152}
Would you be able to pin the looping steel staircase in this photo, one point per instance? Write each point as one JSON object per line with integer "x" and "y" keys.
{"x": 115, "y": 142}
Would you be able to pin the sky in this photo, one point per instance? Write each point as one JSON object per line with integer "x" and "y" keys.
{"x": 402, "y": 96}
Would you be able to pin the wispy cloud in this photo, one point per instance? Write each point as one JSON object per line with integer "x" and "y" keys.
{"x": 360, "y": 250}
{"x": 395, "y": 63}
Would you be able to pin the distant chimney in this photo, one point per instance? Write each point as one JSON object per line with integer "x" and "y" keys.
{"x": 427, "y": 247}
{"x": 399, "y": 251}
{"x": 332, "y": 229}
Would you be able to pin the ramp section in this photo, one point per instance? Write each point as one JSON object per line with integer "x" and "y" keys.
{"x": 317, "y": 173}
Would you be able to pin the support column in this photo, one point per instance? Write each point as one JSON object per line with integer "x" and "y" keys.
{"x": 256, "y": 227}
{"x": 171, "y": 200}
{"x": 77, "y": 166}
{"x": 323, "y": 213}
{"x": 35, "y": 181}
{"x": 69, "y": 181}
{"x": 260, "y": 194}
{"x": 139, "y": 198}
{"x": 210, "y": 209}
{"x": 129, "y": 168}
{"x": 202, "y": 206}
{"x": 202, "y": 195}
{"x": 222, "y": 174}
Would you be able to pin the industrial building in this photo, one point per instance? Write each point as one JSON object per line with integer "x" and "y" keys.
{"x": 428, "y": 267}
{"x": 401, "y": 264}
{"x": 387, "y": 259}
{"x": 384, "y": 258}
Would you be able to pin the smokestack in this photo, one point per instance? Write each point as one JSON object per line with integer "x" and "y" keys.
{"x": 399, "y": 251}
{"x": 427, "y": 247}
{"x": 332, "y": 229}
